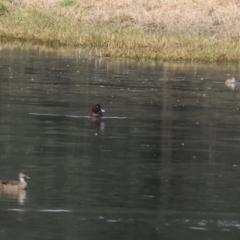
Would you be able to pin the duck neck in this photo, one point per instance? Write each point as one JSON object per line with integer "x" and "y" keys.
{"x": 22, "y": 180}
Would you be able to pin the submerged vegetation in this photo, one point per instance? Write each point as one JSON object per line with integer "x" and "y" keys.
{"x": 154, "y": 29}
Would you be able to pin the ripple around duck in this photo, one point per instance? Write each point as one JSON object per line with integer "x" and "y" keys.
{"x": 74, "y": 116}
{"x": 41, "y": 210}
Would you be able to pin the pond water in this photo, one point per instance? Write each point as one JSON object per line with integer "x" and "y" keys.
{"x": 162, "y": 164}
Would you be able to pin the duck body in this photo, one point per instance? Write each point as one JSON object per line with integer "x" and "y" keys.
{"x": 97, "y": 111}
{"x": 14, "y": 186}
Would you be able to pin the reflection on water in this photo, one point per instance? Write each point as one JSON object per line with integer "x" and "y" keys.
{"x": 19, "y": 195}
{"x": 161, "y": 164}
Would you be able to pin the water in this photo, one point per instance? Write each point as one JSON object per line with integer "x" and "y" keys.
{"x": 162, "y": 164}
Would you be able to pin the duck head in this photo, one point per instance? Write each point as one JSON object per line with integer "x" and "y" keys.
{"x": 97, "y": 111}
{"x": 23, "y": 175}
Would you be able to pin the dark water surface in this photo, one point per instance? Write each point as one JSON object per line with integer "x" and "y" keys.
{"x": 163, "y": 164}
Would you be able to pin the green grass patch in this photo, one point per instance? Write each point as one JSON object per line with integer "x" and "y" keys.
{"x": 3, "y": 9}
{"x": 67, "y": 3}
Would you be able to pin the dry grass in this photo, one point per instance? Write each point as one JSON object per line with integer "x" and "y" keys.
{"x": 156, "y": 29}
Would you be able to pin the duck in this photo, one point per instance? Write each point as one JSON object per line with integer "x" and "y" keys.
{"x": 231, "y": 80}
{"x": 96, "y": 111}
{"x": 231, "y": 83}
{"x": 12, "y": 186}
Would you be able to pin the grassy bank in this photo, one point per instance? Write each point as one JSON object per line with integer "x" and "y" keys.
{"x": 153, "y": 29}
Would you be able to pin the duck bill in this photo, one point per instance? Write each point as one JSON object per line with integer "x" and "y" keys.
{"x": 102, "y": 110}
{"x": 27, "y": 177}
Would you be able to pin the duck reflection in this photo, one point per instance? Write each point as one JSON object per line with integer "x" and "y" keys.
{"x": 98, "y": 124}
{"x": 20, "y": 195}
{"x": 231, "y": 83}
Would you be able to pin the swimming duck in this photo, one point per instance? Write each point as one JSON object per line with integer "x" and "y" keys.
{"x": 96, "y": 111}
{"x": 231, "y": 80}
{"x": 231, "y": 83}
{"x": 11, "y": 186}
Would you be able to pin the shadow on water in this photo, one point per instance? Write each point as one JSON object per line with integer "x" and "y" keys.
{"x": 162, "y": 163}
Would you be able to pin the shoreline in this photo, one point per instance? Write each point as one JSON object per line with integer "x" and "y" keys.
{"x": 121, "y": 30}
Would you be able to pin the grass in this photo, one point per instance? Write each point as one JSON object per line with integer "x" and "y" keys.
{"x": 155, "y": 29}
{"x": 66, "y": 3}
{"x": 3, "y": 9}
